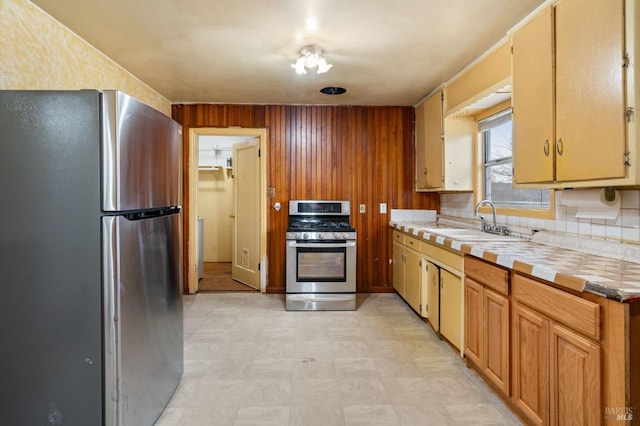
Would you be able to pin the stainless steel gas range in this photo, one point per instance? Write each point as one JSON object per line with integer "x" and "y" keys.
{"x": 321, "y": 256}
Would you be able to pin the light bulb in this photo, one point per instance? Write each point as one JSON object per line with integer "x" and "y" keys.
{"x": 323, "y": 66}
{"x": 299, "y": 66}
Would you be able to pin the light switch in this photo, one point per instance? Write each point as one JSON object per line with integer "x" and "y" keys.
{"x": 383, "y": 208}
{"x": 362, "y": 208}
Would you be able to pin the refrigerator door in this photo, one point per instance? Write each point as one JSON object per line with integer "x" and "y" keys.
{"x": 143, "y": 317}
{"x": 50, "y": 270}
{"x": 142, "y": 156}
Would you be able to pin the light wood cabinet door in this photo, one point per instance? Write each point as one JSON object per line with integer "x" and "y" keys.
{"x": 398, "y": 267}
{"x": 433, "y": 286}
{"x": 451, "y": 307}
{"x": 421, "y": 148}
{"x": 495, "y": 359}
{"x": 530, "y": 341}
{"x": 590, "y": 105}
{"x": 412, "y": 279}
{"x": 575, "y": 379}
{"x": 434, "y": 147}
{"x": 473, "y": 322}
{"x": 533, "y": 96}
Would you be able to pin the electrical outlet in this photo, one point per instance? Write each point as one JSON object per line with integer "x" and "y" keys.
{"x": 362, "y": 208}
{"x": 383, "y": 208}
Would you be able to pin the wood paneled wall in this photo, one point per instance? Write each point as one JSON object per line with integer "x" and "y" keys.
{"x": 361, "y": 154}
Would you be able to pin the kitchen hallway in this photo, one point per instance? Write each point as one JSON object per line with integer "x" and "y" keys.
{"x": 250, "y": 362}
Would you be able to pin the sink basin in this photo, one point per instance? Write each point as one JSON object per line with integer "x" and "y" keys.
{"x": 459, "y": 234}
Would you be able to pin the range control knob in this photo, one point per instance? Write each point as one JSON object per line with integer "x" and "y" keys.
{"x": 321, "y": 236}
{"x": 298, "y": 235}
{"x": 305, "y": 236}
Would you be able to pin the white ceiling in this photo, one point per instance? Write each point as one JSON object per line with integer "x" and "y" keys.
{"x": 384, "y": 52}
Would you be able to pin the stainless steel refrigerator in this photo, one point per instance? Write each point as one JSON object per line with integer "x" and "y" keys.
{"x": 90, "y": 259}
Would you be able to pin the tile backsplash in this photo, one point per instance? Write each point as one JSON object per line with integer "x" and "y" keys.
{"x": 625, "y": 228}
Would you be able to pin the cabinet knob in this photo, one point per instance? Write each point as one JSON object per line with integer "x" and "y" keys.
{"x": 546, "y": 147}
{"x": 559, "y": 147}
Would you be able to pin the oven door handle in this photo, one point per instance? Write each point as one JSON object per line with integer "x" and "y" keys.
{"x": 322, "y": 245}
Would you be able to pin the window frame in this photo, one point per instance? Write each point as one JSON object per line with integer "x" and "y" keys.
{"x": 479, "y": 192}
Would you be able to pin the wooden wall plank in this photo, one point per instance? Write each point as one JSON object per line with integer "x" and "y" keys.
{"x": 357, "y": 153}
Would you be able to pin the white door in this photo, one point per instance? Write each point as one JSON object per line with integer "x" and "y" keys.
{"x": 246, "y": 226}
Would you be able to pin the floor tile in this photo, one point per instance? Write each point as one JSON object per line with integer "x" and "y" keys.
{"x": 313, "y": 415}
{"x": 248, "y": 361}
{"x": 263, "y": 416}
{"x": 381, "y": 414}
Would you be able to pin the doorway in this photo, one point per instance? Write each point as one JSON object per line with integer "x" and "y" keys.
{"x": 212, "y": 198}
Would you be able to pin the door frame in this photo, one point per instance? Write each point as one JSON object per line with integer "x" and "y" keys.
{"x": 191, "y": 269}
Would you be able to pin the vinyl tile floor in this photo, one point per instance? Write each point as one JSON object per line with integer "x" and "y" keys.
{"x": 247, "y": 361}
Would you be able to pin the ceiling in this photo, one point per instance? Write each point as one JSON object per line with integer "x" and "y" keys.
{"x": 240, "y": 51}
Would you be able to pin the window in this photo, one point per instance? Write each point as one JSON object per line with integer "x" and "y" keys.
{"x": 497, "y": 148}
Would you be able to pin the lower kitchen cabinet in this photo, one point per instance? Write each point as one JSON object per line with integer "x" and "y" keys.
{"x": 557, "y": 361}
{"x": 531, "y": 364}
{"x": 451, "y": 307}
{"x": 398, "y": 264}
{"x": 406, "y": 269}
{"x": 443, "y": 285}
{"x": 575, "y": 378}
{"x": 412, "y": 282}
{"x": 487, "y": 321}
{"x": 432, "y": 285}
{"x": 496, "y": 339}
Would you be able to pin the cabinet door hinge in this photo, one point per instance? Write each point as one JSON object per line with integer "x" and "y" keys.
{"x": 625, "y": 61}
{"x": 629, "y": 114}
{"x": 626, "y": 159}
{"x": 420, "y": 263}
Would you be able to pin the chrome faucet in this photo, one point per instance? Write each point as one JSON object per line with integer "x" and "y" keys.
{"x": 495, "y": 229}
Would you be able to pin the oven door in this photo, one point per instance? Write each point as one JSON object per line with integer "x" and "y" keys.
{"x": 321, "y": 267}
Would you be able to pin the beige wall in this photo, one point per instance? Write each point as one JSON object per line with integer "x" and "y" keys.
{"x": 215, "y": 204}
{"x": 37, "y": 52}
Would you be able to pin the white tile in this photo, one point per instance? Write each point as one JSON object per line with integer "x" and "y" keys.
{"x": 631, "y": 235}
{"x": 598, "y": 231}
{"x": 630, "y": 199}
{"x": 614, "y": 233}
{"x": 630, "y": 218}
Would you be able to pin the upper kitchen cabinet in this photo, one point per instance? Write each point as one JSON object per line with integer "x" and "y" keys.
{"x": 445, "y": 127}
{"x": 571, "y": 123}
{"x": 444, "y": 149}
{"x": 429, "y": 144}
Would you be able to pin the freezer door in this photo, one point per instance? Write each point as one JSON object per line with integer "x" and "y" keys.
{"x": 142, "y": 155}
{"x": 143, "y": 317}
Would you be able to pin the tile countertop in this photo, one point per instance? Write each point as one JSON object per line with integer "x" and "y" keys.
{"x": 547, "y": 257}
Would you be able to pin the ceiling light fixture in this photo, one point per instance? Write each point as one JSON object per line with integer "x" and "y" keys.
{"x": 311, "y": 57}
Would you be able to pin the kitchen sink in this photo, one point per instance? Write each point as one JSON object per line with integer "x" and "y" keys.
{"x": 460, "y": 234}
